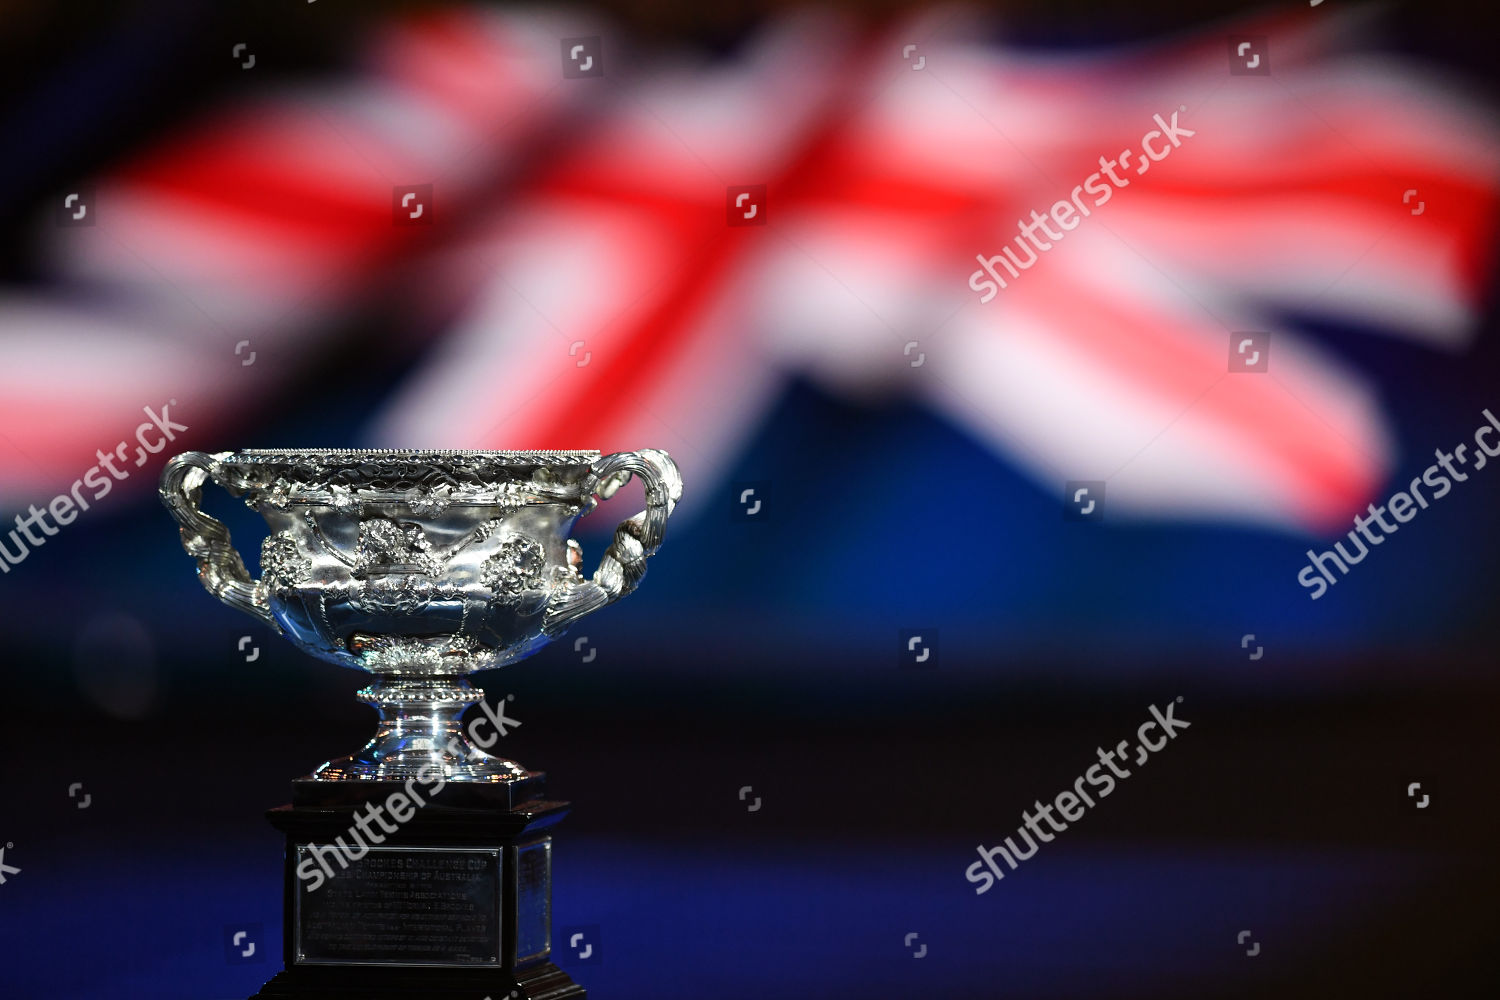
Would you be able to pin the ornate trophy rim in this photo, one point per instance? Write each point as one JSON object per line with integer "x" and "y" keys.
{"x": 431, "y": 479}
{"x": 414, "y": 456}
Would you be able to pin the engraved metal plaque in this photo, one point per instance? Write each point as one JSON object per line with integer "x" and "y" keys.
{"x": 402, "y": 906}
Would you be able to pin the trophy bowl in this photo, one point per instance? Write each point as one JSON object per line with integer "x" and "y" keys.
{"x": 420, "y": 567}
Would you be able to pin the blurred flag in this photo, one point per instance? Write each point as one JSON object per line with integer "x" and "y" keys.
{"x": 641, "y": 257}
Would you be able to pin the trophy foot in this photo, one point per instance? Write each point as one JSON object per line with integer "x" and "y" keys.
{"x": 420, "y": 737}
{"x": 543, "y": 982}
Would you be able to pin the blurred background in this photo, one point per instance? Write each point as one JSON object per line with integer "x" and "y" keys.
{"x": 448, "y": 225}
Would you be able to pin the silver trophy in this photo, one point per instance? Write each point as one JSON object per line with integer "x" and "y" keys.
{"x": 420, "y": 567}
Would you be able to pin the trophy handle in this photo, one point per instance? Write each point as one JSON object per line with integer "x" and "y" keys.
{"x": 220, "y": 568}
{"x": 636, "y": 538}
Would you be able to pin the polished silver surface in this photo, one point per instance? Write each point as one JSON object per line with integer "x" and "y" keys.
{"x": 420, "y": 567}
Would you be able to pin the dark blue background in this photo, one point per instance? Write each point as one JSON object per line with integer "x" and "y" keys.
{"x": 765, "y": 653}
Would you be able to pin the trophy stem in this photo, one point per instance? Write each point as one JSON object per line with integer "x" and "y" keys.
{"x": 421, "y": 735}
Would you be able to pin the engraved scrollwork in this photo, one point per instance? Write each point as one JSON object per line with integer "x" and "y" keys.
{"x": 517, "y": 565}
{"x": 401, "y": 595}
{"x": 282, "y": 562}
{"x": 454, "y": 654}
{"x": 387, "y": 546}
{"x": 343, "y": 498}
{"x": 430, "y": 482}
{"x": 432, "y": 502}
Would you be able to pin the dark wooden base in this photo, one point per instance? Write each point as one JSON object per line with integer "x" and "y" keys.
{"x": 454, "y": 904}
{"x": 539, "y": 982}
